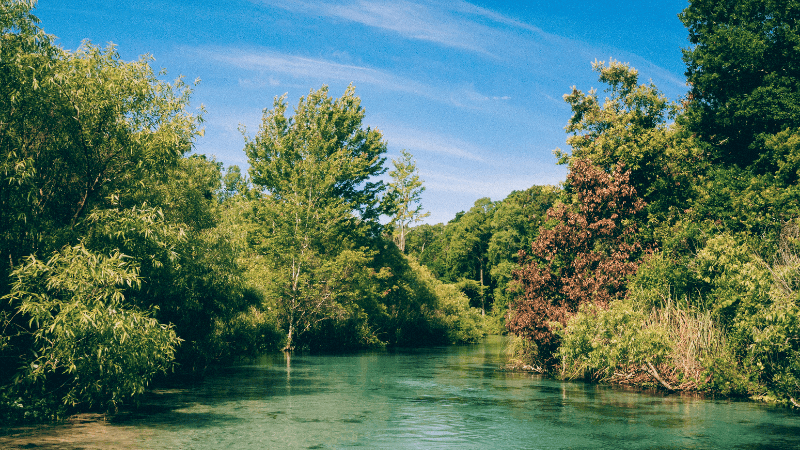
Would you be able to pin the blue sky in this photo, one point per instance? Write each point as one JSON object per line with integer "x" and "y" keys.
{"x": 472, "y": 89}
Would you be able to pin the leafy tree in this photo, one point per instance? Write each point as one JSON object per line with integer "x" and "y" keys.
{"x": 90, "y": 346}
{"x": 584, "y": 257}
{"x": 469, "y": 241}
{"x": 314, "y": 169}
{"x": 90, "y": 152}
{"x": 468, "y": 244}
{"x": 631, "y": 127}
{"x": 233, "y": 183}
{"x": 201, "y": 286}
{"x": 76, "y": 129}
{"x": 405, "y": 190}
{"x": 744, "y": 72}
{"x": 427, "y": 244}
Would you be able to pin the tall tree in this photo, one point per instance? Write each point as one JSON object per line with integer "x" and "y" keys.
{"x": 81, "y": 134}
{"x": 315, "y": 169}
{"x": 630, "y": 126}
{"x": 585, "y": 257}
{"x": 406, "y": 190}
{"x": 744, "y": 72}
{"x": 468, "y": 245}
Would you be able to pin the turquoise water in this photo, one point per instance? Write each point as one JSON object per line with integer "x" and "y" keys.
{"x": 449, "y": 397}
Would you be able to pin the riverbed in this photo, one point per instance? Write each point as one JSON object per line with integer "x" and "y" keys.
{"x": 445, "y": 397}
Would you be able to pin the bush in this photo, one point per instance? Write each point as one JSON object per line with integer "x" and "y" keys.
{"x": 598, "y": 343}
{"x": 89, "y": 346}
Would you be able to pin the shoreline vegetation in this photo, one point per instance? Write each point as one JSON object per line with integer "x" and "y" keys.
{"x": 669, "y": 258}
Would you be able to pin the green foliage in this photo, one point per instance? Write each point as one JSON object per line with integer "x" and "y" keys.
{"x": 405, "y": 192}
{"x": 738, "y": 280}
{"x": 233, "y": 184}
{"x": 449, "y": 306}
{"x": 480, "y": 247}
{"x": 318, "y": 202}
{"x": 743, "y": 71}
{"x": 596, "y": 342}
{"x": 90, "y": 159}
{"x": 630, "y": 127}
{"x": 248, "y": 333}
{"x": 661, "y": 280}
{"x": 78, "y": 129}
{"x": 90, "y": 346}
{"x": 468, "y": 242}
{"x": 766, "y": 336}
{"x": 321, "y": 153}
{"x": 332, "y": 282}
{"x": 428, "y": 243}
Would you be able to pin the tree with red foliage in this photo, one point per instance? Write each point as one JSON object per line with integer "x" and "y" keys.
{"x": 585, "y": 257}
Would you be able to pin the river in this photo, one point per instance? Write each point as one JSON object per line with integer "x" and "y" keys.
{"x": 447, "y": 397}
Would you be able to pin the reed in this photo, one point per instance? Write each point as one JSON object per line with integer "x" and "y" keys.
{"x": 696, "y": 339}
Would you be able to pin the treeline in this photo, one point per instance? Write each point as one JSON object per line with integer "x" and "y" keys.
{"x": 123, "y": 258}
{"x": 671, "y": 256}
{"x": 477, "y": 251}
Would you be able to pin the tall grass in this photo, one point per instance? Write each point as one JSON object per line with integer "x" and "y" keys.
{"x": 696, "y": 340}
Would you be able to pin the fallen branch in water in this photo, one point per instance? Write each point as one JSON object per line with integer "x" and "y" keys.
{"x": 657, "y": 377}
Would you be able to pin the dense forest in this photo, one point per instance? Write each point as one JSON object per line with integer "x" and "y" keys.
{"x": 668, "y": 257}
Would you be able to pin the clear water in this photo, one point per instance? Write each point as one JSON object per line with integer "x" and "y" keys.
{"x": 449, "y": 397}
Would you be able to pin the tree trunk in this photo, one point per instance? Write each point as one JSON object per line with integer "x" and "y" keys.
{"x": 289, "y": 346}
{"x": 402, "y": 238}
{"x": 483, "y": 298}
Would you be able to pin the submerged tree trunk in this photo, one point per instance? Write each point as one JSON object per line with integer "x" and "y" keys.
{"x": 288, "y": 347}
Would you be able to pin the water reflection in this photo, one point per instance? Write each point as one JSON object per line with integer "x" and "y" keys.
{"x": 456, "y": 397}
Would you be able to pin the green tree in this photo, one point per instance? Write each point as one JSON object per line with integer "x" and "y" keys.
{"x": 405, "y": 191}
{"x": 187, "y": 255}
{"x": 468, "y": 245}
{"x": 631, "y": 127}
{"x": 315, "y": 169}
{"x": 77, "y": 129}
{"x": 90, "y": 346}
{"x": 744, "y": 71}
{"x": 428, "y": 245}
{"x": 233, "y": 183}
{"x": 90, "y": 161}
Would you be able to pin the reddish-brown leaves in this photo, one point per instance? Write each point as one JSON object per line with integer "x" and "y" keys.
{"x": 585, "y": 257}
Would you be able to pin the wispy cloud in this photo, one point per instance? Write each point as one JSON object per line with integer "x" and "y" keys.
{"x": 267, "y": 63}
{"x": 298, "y": 66}
{"x": 461, "y": 25}
{"x": 467, "y": 96}
{"x": 413, "y": 20}
{"x": 426, "y": 141}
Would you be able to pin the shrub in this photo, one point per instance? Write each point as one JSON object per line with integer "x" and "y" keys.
{"x": 598, "y": 343}
{"x": 89, "y": 346}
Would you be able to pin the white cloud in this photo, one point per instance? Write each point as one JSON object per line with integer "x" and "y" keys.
{"x": 412, "y": 20}
{"x": 417, "y": 140}
{"x": 462, "y": 25}
{"x": 264, "y": 60}
{"x": 267, "y": 63}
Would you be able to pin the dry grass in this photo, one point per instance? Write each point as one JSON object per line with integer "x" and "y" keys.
{"x": 785, "y": 268}
{"x": 696, "y": 339}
